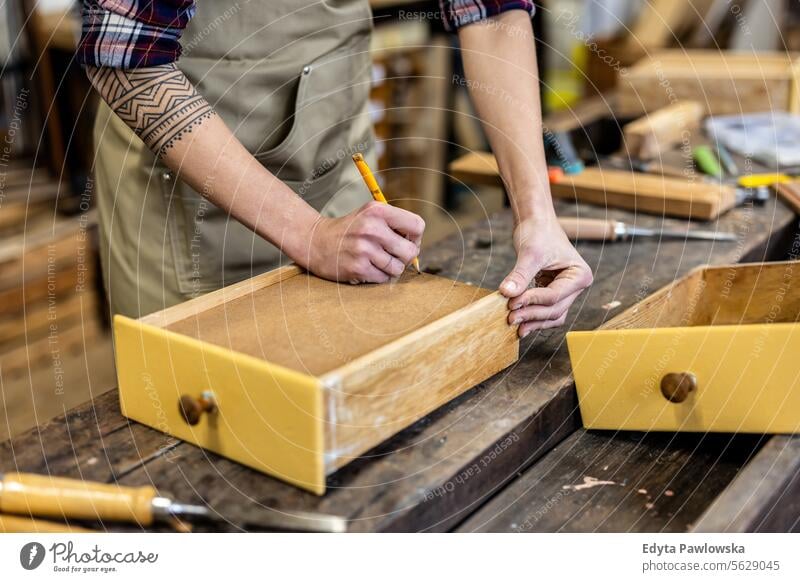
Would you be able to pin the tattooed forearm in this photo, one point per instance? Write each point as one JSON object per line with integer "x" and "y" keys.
{"x": 158, "y": 103}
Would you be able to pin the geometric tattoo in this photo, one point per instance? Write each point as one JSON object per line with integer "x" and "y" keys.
{"x": 158, "y": 103}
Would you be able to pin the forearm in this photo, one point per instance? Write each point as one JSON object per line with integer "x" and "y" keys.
{"x": 500, "y": 63}
{"x": 179, "y": 126}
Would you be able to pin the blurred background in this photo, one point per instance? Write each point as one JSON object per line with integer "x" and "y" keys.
{"x": 55, "y": 347}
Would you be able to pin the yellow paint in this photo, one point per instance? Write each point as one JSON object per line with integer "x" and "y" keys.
{"x": 759, "y": 180}
{"x": 268, "y": 417}
{"x": 748, "y": 378}
{"x": 18, "y": 524}
{"x": 46, "y": 496}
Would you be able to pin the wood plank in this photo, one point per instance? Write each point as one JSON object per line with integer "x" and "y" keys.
{"x": 618, "y": 482}
{"x": 65, "y": 282}
{"x": 68, "y": 380}
{"x": 35, "y": 353}
{"x": 659, "y": 195}
{"x": 436, "y": 472}
{"x": 584, "y": 113}
{"x": 790, "y": 194}
{"x": 764, "y": 497}
{"x": 38, "y": 318}
{"x": 727, "y": 82}
{"x": 649, "y": 136}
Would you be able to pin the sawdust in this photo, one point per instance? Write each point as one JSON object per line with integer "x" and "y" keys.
{"x": 588, "y": 483}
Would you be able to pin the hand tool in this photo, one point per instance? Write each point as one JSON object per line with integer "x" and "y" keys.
{"x": 62, "y": 498}
{"x": 613, "y": 230}
{"x": 726, "y": 159}
{"x": 374, "y": 189}
{"x": 763, "y": 180}
{"x": 706, "y": 161}
{"x": 562, "y": 152}
{"x": 636, "y": 165}
{"x": 790, "y": 194}
{"x": 18, "y": 524}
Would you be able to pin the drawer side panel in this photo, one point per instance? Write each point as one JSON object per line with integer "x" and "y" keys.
{"x": 374, "y": 397}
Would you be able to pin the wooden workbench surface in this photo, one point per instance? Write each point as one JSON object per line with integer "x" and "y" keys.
{"x": 440, "y": 472}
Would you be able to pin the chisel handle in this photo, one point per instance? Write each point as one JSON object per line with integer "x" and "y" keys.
{"x": 60, "y": 498}
{"x": 589, "y": 228}
{"x": 18, "y": 524}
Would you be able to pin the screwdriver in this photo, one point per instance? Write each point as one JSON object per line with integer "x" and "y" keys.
{"x": 60, "y": 498}
{"x": 613, "y": 230}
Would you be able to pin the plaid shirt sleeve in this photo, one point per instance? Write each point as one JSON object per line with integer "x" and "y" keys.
{"x": 129, "y": 34}
{"x": 458, "y": 13}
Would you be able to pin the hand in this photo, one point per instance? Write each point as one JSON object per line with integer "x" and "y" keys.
{"x": 542, "y": 246}
{"x": 370, "y": 245}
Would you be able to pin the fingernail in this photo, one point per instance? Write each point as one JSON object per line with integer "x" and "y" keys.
{"x": 510, "y": 286}
{"x": 517, "y": 320}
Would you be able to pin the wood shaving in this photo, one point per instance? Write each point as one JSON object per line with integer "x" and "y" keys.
{"x": 588, "y": 483}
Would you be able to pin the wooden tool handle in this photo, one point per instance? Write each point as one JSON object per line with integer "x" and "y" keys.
{"x": 790, "y": 194}
{"x": 676, "y": 387}
{"x": 18, "y": 524}
{"x": 60, "y": 498}
{"x": 588, "y": 228}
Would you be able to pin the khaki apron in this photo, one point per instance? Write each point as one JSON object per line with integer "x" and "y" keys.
{"x": 291, "y": 79}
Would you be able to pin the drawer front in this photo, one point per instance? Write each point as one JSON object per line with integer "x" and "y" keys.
{"x": 264, "y": 416}
{"x": 743, "y": 378}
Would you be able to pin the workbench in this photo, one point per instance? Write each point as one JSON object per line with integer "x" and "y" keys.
{"x": 508, "y": 455}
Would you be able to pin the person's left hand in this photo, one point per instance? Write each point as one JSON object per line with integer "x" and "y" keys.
{"x": 541, "y": 245}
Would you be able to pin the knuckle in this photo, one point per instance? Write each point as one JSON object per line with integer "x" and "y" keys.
{"x": 360, "y": 247}
{"x": 396, "y": 268}
{"x": 373, "y": 208}
{"x": 408, "y": 252}
{"x": 368, "y": 228}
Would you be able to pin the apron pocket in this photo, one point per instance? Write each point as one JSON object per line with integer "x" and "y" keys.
{"x": 328, "y": 97}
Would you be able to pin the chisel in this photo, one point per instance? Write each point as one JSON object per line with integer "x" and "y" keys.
{"x": 60, "y": 498}
{"x": 18, "y": 524}
{"x": 613, "y": 230}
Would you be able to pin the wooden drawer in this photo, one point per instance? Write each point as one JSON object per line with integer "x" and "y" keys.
{"x": 305, "y": 375}
{"x": 715, "y": 351}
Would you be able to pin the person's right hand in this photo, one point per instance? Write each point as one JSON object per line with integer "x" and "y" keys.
{"x": 370, "y": 245}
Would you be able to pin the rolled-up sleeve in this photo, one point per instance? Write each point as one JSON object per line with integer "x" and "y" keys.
{"x": 458, "y": 13}
{"x": 129, "y": 34}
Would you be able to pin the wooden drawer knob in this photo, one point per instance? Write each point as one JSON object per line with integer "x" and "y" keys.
{"x": 676, "y": 387}
{"x": 192, "y": 409}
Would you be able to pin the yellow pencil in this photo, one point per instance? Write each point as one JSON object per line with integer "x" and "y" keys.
{"x": 374, "y": 189}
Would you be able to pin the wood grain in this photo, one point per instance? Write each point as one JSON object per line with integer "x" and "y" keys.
{"x": 657, "y": 132}
{"x": 373, "y": 397}
{"x": 617, "y": 482}
{"x": 764, "y": 496}
{"x": 728, "y": 83}
{"x": 435, "y": 473}
{"x": 652, "y": 194}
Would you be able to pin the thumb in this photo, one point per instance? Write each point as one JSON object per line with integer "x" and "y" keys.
{"x": 517, "y": 281}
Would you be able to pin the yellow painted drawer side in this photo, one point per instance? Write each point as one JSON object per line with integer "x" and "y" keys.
{"x": 268, "y": 417}
{"x": 748, "y": 378}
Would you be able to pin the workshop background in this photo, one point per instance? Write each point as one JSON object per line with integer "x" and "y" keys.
{"x": 55, "y": 344}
